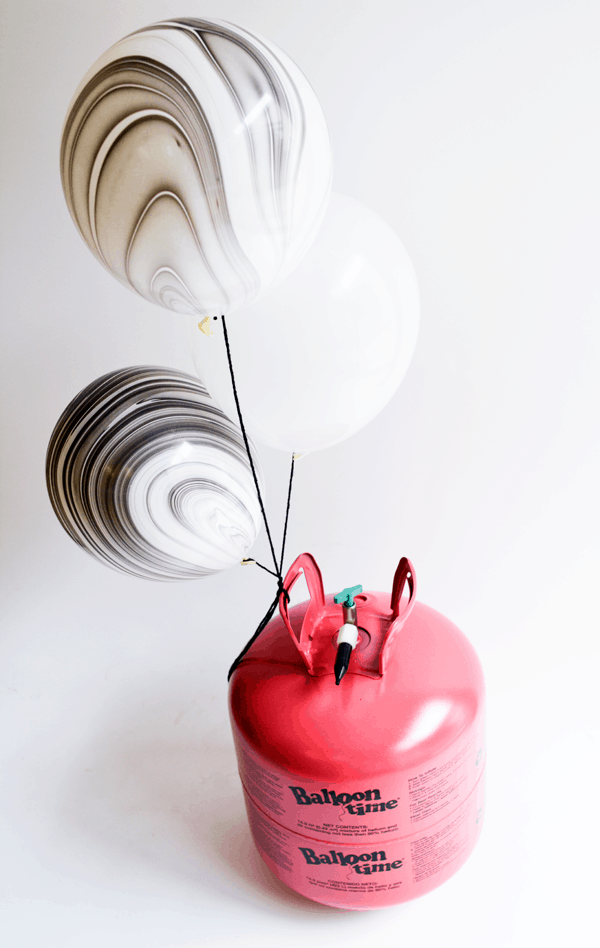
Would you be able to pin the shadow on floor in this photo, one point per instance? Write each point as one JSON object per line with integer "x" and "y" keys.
{"x": 158, "y": 782}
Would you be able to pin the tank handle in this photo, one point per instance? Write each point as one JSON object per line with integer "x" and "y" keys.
{"x": 404, "y": 574}
{"x": 305, "y": 563}
{"x": 318, "y": 621}
{"x": 401, "y": 608}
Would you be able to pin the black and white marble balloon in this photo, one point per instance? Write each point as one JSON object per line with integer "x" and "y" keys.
{"x": 196, "y": 164}
{"x": 148, "y": 475}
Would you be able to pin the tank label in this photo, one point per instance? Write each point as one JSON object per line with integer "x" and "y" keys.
{"x": 389, "y": 807}
{"x": 436, "y": 788}
{"x": 358, "y": 804}
{"x": 363, "y": 875}
{"x": 351, "y": 859}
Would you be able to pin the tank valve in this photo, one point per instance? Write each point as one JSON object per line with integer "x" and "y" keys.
{"x": 348, "y": 634}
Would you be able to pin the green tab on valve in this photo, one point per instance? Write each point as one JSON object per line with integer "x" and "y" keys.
{"x": 346, "y": 597}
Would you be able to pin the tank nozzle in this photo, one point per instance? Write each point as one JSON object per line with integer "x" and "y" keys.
{"x": 348, "y": 634}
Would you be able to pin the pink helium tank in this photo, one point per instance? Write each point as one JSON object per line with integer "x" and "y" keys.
{"x": 369, "y": 793}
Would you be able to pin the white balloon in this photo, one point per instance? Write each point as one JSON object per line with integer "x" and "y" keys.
{"x": 321, "y": 356}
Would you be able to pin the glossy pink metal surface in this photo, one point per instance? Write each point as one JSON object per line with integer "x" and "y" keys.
{"x": 369, "y": 793}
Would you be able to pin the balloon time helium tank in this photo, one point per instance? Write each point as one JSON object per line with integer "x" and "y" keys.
{"x": 371, "y": 792}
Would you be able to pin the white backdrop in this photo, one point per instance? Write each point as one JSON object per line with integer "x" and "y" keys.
{"x": 472, "y": 129}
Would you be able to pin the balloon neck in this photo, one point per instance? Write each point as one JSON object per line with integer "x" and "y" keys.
{"x": 205, "y": 326}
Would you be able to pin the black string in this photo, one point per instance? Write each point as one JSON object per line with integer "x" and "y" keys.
{"x": 239, "y": 411}
{"x": 256, "y": 563}
{"x": 287, "y": 514}
{"x": 278, "y": 566}
{"x": 280, "y": 587}
{"x": 262, "y": 624}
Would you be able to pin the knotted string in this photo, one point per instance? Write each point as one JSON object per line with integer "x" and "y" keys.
{"x": 278, "y": 565}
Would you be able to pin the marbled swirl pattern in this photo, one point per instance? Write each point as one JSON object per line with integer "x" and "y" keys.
{"x": 147, "y": 474}
{"x": 196, "y": 164}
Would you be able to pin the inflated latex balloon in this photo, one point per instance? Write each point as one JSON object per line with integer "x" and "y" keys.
{"x": 148, "y": 475}
{"x": 326, "y": 350}
{"x": 196, "y": 164}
